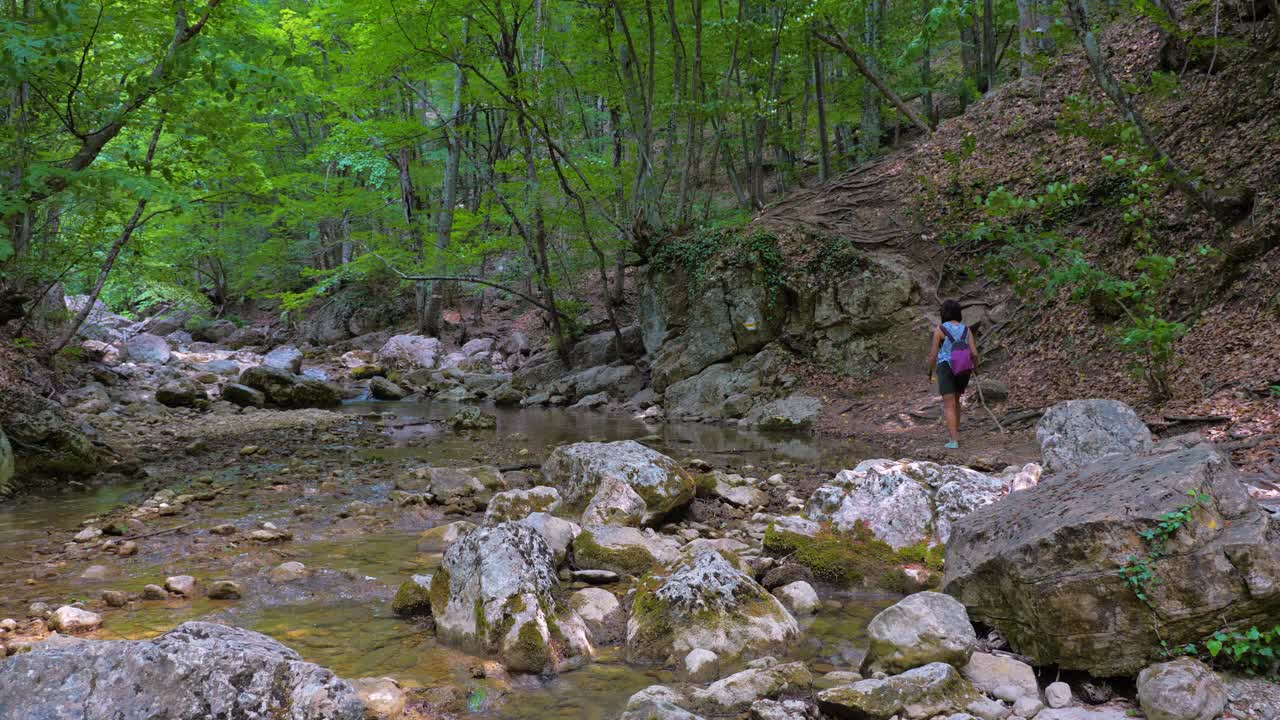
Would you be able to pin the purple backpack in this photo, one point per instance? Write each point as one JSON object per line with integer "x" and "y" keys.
{"x": 961, "y": 358}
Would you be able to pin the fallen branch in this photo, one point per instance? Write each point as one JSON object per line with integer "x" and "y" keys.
{"x": 53, "y": 559}
{"x": 1213, "y": 419}
{"x": 522, "y": 466}
{"x": 158, "y": 532}
{"x": 1019, "y": 416}
{"x": 983, "y": 401}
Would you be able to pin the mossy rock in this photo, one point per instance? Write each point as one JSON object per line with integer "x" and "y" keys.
{"x": 628, "y": 560}
{"x": 854, "y": 558}
{"x": 414, "y": 597}
{"x": 530, "y": 652}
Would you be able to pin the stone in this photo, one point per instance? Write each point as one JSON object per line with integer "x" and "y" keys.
{"x": 786, "y": 574}
{"x": 382, "y": 697}
{"x": 596, "y": 577}
{"x": 799, "y": 597}
{"x": 225, "y": 590}
{"x": 114, "y": 598}
{"x": 701, "y": 666}
{"x": 383, "y": 389}
{"x": 797, "y": 411}
{"x": 470, "y": 418}
{"x": 737, "y": 692}
{"x": 215, "y": 331}
{"x": 706, "y": 602}
{"x": 602, "y": 613}
{"x": 88, "y": 534}
{"x": 658, "y": 702}
{"x": 1058, "y": 695}
{"x": 1044, "y": 566}
{"x": 413, "y": 597}
{"x": 288, "y": 572}
{"x": 495, "y": 593}
{"x": 223, "y": 530}
{"x": 1183, "y": 689}
{"x": 183, "y": 585}
{"x": 180, "y": 392}
{"x": 738, "y": 493}
{"x": 366, "y": 371}
{"x": 147, "y": 349}
{"x": 95, "y": 573}
{"x": 284, "y": 357}
{"x": 917, "y": 694}
{"x": 74, "y": 620}
{"x": 557, "y": 532}
{"x": 410, "y": 351}
{"x": 154, "y": 592}
{"x": 6, "y": 463}
{"x": 920, "y": 629}
{"x": 197, "y": 670}
{"x": 622, "y": 550}
{"x": 1028, "y": 706}
{"x": 128, "y": 548}
{"x": 1076, "y": 433}
{"x": 286, "y": 390}
{"x": 54, "y": 443}
{"x": 580, "y": 471}
{"x": 519, "y": 504}
{"x": 440, "y": 537}
{"x": 593, "y": 401}
{"x": 243, "y": 395}
{"x": 988, "y": 672}
{"x": 782, "y": 710}
{"x": 479, "y": 482}
{"x": 1105, "y": 712}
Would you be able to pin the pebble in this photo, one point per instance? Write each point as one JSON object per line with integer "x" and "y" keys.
{"x": 128, "y": 548}
{"x": 595, "y": 577}
{"x": 288, "y": 572}
{"x": 68, "y": 619}
{"x": 224, "y": 529}
{"x": 154, "y": 592}
{"x": 114, "y": 598}
{"x": 88, "y": 534}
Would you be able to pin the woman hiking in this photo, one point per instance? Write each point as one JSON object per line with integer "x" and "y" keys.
{"x": 954, "y": 355}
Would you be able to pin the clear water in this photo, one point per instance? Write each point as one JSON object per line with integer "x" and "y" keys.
{"x": 344, "y": 622}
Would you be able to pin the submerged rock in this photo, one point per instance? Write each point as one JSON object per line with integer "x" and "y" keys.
{"x": 197, "y": 670}
{"x": 1044, "y": 567}
{"x": 1076, "y": 433}
{"x": 470, "y": 418}
{"x": 706, "y": 602}
{"x": 599, "y": 478}
{"x": 495, "y": 593}
{"x": 413, "y": 597}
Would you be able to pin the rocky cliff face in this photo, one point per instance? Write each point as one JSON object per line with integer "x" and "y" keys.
{"x": 720, "y": 346}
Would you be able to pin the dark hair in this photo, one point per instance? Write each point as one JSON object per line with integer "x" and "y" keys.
{"x": 951, "y": 311}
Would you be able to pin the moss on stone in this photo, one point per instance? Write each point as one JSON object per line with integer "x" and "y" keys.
{"x": 530, "y": 652}
{"x": 654, "y": 635}
{"x": 922, "y": 553}
{"x": 412, "y": 599}
{"x": 439, "y": 592}
{"x": 857, "y": 557}
{"x": 629, "y": 560}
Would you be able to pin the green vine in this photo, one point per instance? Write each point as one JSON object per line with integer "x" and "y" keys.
{"x": 697, "y": 254}
{"x": 1137, "y": 573}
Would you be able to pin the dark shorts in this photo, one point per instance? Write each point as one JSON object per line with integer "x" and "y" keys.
{"x": 949, "y": 384}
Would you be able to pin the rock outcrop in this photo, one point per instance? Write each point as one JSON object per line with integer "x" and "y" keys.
{"x": 706, "y": 602}
{"x": 197, "y": 670}
{"x": 1046, "y": 566}
{"x": 618, "y": 483}
{"x": 495, "y": 594}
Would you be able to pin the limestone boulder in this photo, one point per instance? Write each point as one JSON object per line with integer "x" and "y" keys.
{"x": 383, "y": 389}
{"x": 284, "y": 357}
{"x": 924, "y": 692}
{"x": 706, "y": 602}
{"x": 1184, "y": 689}
{"x": 196, "y": 670}
{"x": 243, "y": 395}
{"x": 1044, "y": 566}
{"x": 495, "y": 594}
{"x": 181, "y": 392}
{"x": 920, "y": 629}
{"x": 147, "y": 349}
{"x": 557, "y": 532}
{"x": 623, "y": 550}
{"x": 580, "y": 471}
{"x": 1076, "y": 433}
{"x": 410, "y": 352}
{"x": 988, "y": 672}
{"x": 603, "y": 614}
{"x": 286, "y": 390}
{"x": 519, "y": 504}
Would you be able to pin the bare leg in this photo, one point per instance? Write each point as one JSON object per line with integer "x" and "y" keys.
{"x": 951, "y": 411}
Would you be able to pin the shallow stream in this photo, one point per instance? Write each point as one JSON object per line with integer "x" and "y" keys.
{"x": 340, "y": 617}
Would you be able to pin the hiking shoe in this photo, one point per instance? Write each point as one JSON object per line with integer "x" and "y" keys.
{"x": 953, "y": 445}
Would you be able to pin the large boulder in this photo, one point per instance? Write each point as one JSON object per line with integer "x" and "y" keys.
{"x": 623, "y": 550}
{"x": 1183, "y": 689}
{"x": 215, "y": 331}
{"x": 243, "y": 395}
{"x": 706, "y": 602}
{"x": 410, "y": 352}
{"x": 197, "y": 670}
{"x": 284, "y": 357}
{"x": 495, "y": 594}
{"x": 793, "y": 412}
{"x": 181, "y": 392}
{"x": 1047, "y": 567}
{"x": 519, "y": 504}
{"x": 923, "y": 628}
{"x": 49, "y": 441}
{"x": 147, "y": 349}
{"x": 903, "y": 502}
{"x": 645, "y": 483}
{"x": 934, "y": 689}
{"x": 1076, "y": 433}
{"x": 284, "y": 389}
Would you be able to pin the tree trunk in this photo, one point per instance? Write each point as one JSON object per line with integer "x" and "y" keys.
{"x": 820, "y": 98}
{"x": 1226, "y": 209}
{"x": 870, "y": 128}
{"x": 989, "y": 43}
{"x": 837, "y": 41}
{"x": 434, "y": 309}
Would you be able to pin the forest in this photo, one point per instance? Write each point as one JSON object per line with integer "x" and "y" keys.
{"x": 640, "y": 359}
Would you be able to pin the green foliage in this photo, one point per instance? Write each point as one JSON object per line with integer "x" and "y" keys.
{"x": 840, "y": 558}
{"x": 698, "y": 254}
{"x": 1254, "y": 651}
{"x": 1138, "y": 573}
